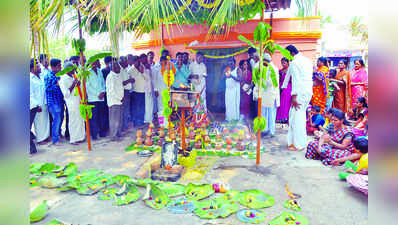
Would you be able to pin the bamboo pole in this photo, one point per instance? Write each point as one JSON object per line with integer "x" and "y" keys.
{"x": 84, "y": 81}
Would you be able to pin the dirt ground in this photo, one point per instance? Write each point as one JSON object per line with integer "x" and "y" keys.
{"x": 325, "y": 199}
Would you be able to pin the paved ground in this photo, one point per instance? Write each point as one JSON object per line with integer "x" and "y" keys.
{"x": 325, "y": 199}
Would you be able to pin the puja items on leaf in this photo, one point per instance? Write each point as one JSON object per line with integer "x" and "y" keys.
{"x": 292, "y": 204}
{"x": 107, "y": 194}
{"x": 214, "y": 208}
{"x": 219, "y": 188}
{"x": 289, "y": 218}
{"x": 251, "y": 216}
{"x": 171, "y": 189}
{"x": 155, "y": 198}
{"x": 127, "y": 195}
{"x": 181, "y": 206}
{"x": 256, "y": 199}
{"x": 198, "y": 191}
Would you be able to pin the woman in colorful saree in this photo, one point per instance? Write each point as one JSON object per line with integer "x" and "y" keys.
{"x": 342, "y": 96}
{"x": 335, "y": 146}
{"x": 359, "y": 80}
{"x": 321, "y": 84}
{"x": 282, "y": 114}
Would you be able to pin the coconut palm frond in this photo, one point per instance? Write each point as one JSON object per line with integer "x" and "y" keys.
{"x": 227, "y": 14}
{"x": 146, "y": 15}
{"x": 42, "y": 14}
{"x": 305, "y": 8}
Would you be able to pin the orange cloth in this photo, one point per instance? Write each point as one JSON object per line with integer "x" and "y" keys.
{"x": 319, "y": 97}
{"x": 342, "y": 98}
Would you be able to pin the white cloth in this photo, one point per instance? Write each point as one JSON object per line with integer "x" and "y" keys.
{"x": 139, "y": 84}
{"x": 148, "y": 107}
{"x": 95, "y": 85}
{"x": 300, "y": 70}
{"x": 159, "y": 85}
{"x": 271, "y": 94}
{"x": 124, "y": 73}
{"x": 76, "y": 122}
{"x": 41, "y": 121}
{"x": 199, "y": 84}
{"x": 114, "y": 89}
{"x": 36, "y": 91}
{"x": 297, "y": 133}
{"x": 232, "y": 97}
{"x": 149, "y": 103}
{"x": 269, "y": 113}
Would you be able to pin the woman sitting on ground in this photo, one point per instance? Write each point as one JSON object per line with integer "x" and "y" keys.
{"x": 361, "y": 148}
{"x": 335, "y": 146}
{"x": 360, "y": 113}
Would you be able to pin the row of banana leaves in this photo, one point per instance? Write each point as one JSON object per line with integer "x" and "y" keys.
{"x": 123, "y": 190}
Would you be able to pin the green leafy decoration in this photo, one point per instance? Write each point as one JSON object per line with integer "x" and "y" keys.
{"x": 66, "y": 70}
{"x": 121, "y": 179}
{"x": 251, "y": 216}
{"x": 55, "y": 222}
{"x": 69, "y": 169}
{"x": 98, "y": 57}
{"x": 50, "y": 181}
{"x": 39, "y": 212}
{"x": 130, "y": 195}
{"x": 242, "y": 38}
{"x": 107, "y": 194}
{"x": 86, "y": 111}
{"x": 284, "y": 52}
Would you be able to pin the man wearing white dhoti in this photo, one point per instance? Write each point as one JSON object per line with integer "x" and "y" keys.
{"x": 159, "y": 85}
{"x": 115, "y": 95}
{"x": 198, "y": 75}
{"x": 300, "y": 69}
{"x": 42, "y": 120}
{"x": 148, "y": 117}
{"x": 232, "y": 75}
{"x": 270, "y": 99}
{"x": 76, "y": 123}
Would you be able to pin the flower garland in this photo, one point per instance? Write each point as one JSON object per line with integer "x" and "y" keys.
{"x": 222, "y": 56}
{"x": 245, "y": 2}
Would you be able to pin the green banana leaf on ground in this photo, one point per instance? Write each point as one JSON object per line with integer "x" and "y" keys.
{"x": 289, "y": 218}
{"x": 181, "y": 206}
{"x": 90, "y": 188}
{"x": 292, "y": 204}
{"x": 231, "y": 195}
{"x": 120, "y": 179}
{"x": 198, "y": 191}
{"x": 251, "y": 216}
{"x": 129, "y": 195}
{"x": 105, "y": 179}
{"x": 33, "y": 181}
{"x": 50, "y": 181}
{"x": 171, "y": 189}
{"x": 144, "y": 182}
{"x": 69, "y": 169}
{"x": 88, "y": 176}
{"x": 155, "y": 197}
{"x": 55, "y": 222}
{"x": 256, "y": 199}
{"x": 107, "y": 194}
{"x": 43, "y": 168}
{"x": 39, "y": 212}
{"x": 214, "y": 208}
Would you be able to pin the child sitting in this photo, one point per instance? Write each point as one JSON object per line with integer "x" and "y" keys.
{"x": 328, "y": 127}
{"x": 332, "y": 87}
{"x": 361, "y": 148}
{"x": 315, "y": 121}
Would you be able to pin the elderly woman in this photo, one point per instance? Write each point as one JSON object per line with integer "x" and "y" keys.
{"x": 335, "y": 146}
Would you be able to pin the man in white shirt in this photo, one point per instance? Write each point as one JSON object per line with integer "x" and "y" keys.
{"x": 115, "y": 95}
{"x": 137, "y": 72}
{"x": 95, "y": 88}
{"x": 198, "y": 75}
{"x": 42, "y": 120}
{"x": 159, "y": 85}
{"x": 270, "y": 99}
{"x": 127, "y": 85}
{"x": 44, "y": 64}
{"x": 68, "y": 84}
{"x": 300, "y": 69}
{"x": 35, "y": 70}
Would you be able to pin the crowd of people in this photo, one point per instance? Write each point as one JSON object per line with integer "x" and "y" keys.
{"x": 328, "y": 103}
{"x": 123, "y": 94}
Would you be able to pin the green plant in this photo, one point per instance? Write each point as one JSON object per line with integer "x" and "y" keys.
{"x": 263, "y": 43}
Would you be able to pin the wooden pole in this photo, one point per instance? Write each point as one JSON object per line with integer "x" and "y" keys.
{"x": 183, "y": 129}
{"x": 259, "y": 131}
{"x": 84, "y": 81}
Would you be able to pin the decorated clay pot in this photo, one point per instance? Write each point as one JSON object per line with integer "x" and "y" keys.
{"x": 228, "y": 141}
{"x": 229, "y": 147}
{"x": 139, "y": 133}
{"x": 218, "y": 146}
{"x": 139, "y": 141}
{"x": 148, "y": 141}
